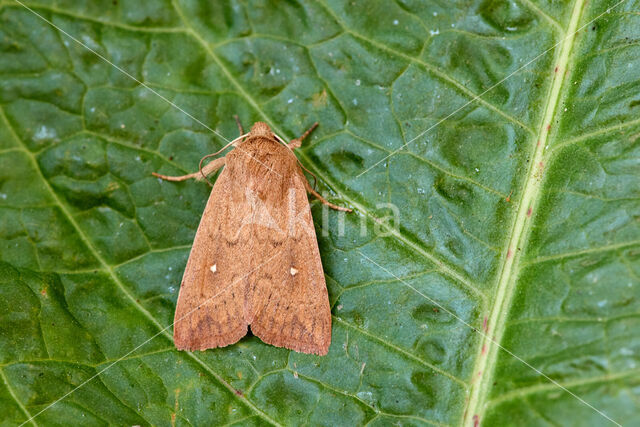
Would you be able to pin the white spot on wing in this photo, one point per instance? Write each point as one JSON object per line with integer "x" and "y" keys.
{"x": 293, "y": 271}
{"x": 213, "y": 268}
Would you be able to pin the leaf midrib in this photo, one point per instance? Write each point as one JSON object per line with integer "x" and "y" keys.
{"x": 507, "y": 280}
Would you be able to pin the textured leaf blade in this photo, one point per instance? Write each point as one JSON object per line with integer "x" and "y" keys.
{"x": 518, "y": 212}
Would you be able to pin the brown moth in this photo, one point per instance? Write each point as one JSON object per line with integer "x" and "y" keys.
{"x": 255, "y": 258}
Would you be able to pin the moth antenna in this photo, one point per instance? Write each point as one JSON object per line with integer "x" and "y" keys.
{"x": 226, "y": 146}
{"x": 215, "y": 154}
{"x": 315, "y": 178}
{"x": 296, "y": 143}
{"x": 200, "y": 167}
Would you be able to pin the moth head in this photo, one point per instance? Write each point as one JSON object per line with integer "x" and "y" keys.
{"x": 262, "y": 129}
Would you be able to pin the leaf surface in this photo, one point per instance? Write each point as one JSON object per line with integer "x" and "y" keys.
{"x": 505, "y": 291}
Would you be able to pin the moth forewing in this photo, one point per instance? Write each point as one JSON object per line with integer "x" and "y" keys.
{"x": 210, "y": 308}
{"x": 292, "y": 308}
{"x": 299, "y": 219}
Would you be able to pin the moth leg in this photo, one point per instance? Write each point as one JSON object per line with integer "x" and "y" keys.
{"x": 207, "y": 170}
{"x": 322, "y": 199}
{"x": 239, "y": 124}
{"x": 296, "y": 143}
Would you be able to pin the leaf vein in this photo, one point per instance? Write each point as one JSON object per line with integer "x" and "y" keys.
{"x": 400, "y": 351}
{"x": 430, "y": 68}
{"x": 15, "y": 398}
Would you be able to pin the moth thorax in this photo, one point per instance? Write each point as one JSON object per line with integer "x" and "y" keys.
{"x": 261, "y": 129}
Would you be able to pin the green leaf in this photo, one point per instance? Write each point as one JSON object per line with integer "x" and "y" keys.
{"x": 505, "y": 292}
